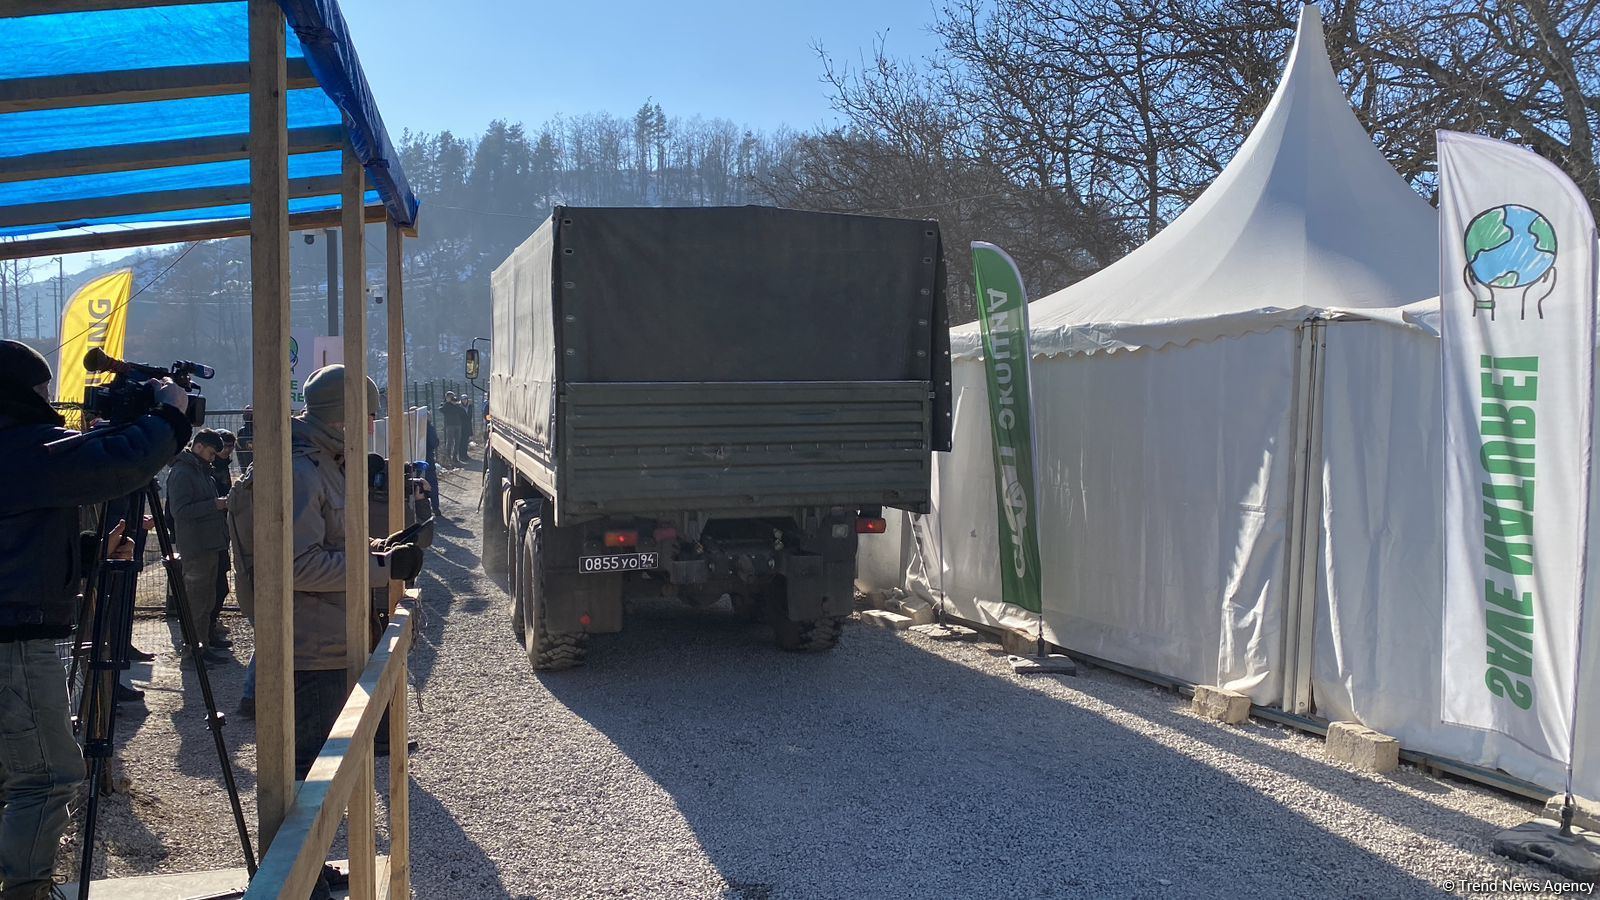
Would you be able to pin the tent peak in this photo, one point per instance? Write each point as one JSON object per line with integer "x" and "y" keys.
{"x": 1307, "y": 215}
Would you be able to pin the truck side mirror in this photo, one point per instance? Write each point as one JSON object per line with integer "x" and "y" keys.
{"x": 472, "y": 364}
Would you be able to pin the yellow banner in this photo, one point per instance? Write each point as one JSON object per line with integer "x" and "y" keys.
{"x": 96, "y": 316}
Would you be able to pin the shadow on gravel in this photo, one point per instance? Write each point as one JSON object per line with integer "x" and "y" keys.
{"x": 885, "y": 770}
{"x": 457, "y": 866}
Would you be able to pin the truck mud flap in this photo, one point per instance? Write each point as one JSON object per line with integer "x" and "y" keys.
{"x": 817, "y": 586}
{"x": 591, "y": 604}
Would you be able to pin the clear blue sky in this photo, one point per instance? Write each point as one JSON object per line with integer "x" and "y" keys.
{"x": 458, "y": 64}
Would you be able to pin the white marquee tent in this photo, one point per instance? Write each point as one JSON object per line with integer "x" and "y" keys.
{"x": 1237, "y": 443}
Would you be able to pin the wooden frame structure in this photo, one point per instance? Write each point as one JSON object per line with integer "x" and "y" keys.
{"x": 296, "y": 822}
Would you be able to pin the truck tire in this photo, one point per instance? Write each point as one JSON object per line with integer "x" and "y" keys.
{"x": 517, "y": 576}
{"x": 547, "y": 651}
{"x": 811, "y": 636}
{"x": 493, "y": 555}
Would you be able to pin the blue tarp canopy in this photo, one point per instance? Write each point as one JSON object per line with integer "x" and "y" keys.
{"x": 122, "y": 112}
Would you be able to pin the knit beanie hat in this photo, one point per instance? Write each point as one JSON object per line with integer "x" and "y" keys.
{"x": 21, "y": 370}
{"x": 325, "y": 394}
{"x": 22, "y": 366}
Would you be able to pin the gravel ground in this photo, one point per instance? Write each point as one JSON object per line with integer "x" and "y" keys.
{"x": 691, "y": 759}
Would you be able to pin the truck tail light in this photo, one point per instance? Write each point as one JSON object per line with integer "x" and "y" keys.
{"x": 666, "y": 534}
{"x": 871, "y": 525}
{"x": 622, "y": 539}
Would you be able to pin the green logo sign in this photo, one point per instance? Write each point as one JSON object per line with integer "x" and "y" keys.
{"x": 1509, "y": 247}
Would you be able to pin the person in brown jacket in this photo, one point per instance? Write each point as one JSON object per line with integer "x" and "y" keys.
{"x": 317, "y": 447}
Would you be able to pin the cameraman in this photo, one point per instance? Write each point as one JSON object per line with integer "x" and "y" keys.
{"x": 40, "y": 568}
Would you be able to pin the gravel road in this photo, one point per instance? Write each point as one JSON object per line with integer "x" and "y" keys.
{"x": 691, "y": 759}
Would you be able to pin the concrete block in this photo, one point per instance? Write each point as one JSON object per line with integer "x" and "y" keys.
{"x": 878, "y": 618}
{"x": 1362, "y": 748}
{"x": 1019, "y": 643}
{"x": 1585, "y": 815}
{"x": 1220, "y": 704}
{"x": 917, "y": 610}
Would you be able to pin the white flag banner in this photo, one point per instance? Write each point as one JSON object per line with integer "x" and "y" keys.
{"x": 1518, "y": 325}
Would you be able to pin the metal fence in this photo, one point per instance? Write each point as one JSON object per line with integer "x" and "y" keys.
{"x": 229, "y": 419}
{"x": 432, "y": 393}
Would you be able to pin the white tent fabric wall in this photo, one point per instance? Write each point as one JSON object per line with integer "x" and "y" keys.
{"x": 1379, "y": 608}
{"x": 882, "y": 558}
{"x": 1163, "y": 503}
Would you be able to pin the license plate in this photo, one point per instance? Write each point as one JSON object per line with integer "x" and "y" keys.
{"x": 617, "y": 562}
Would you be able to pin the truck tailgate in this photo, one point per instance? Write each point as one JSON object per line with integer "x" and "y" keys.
{"x": 630, "y": 446}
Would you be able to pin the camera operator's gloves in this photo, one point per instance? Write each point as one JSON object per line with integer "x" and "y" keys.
{"x": 172, "y": 395}
{"x": 404, "y": 561}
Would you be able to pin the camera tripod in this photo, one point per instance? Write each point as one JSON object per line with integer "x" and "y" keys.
{"x": 110, "y": 633}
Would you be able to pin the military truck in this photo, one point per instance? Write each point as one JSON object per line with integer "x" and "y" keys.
{"x": 707, "y": 404}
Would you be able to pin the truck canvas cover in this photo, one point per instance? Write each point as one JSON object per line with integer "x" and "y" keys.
{"x": 722, "y": 329}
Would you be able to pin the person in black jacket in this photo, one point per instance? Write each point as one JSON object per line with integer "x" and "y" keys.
{"x": 40, "y": 569}
{"x": 201, "y": 533}
{"x": 222, "y": 472}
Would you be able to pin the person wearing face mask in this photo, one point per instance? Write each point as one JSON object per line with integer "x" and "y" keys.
{"x": 201, "y": 531}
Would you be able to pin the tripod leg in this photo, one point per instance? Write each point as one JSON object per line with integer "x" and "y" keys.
{"x": 191, "y": 636}
{"x": 108, "y": 657}
{"x": 86, "y": 612}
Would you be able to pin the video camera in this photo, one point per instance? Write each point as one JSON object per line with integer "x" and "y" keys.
{"x": 378, "y": 477}
{"x": 132, "y": 393}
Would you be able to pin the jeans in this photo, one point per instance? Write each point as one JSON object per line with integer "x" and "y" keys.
{"x": 433, "y": 483}
{"x": 249, "y": 692}
{"x": 318, "y": 697}
{"x": 40, "y": 764}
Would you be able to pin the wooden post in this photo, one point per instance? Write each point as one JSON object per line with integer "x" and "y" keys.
{"x": 269, "y": 318}
{"x": 400, "y": 450}
{"x": 399, "y": 760}
{"x": 358, "y": 580}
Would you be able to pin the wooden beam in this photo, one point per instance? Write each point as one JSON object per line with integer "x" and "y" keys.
{"x": 156, "y": 201}
{"x": 399, "y": 735}
{"x": 15, "y": 9}
{"x": 290, "y": 868}
{"x": 399, "y": 430}
{"x": 168, "y": 234}
{"x": 138, "y": 85}
{"x": 157, "y": 154}
{"x": 269, "y": 319}
{"x": 358, "y": 584}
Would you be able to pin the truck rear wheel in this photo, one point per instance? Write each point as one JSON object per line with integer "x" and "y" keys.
{"x": 493, "y": 555}
{"x": 517, "y": 575}
{"x": 548, "y": 651}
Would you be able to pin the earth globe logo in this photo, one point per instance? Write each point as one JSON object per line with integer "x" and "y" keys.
{"x": 1509, "y": 247}
{"x": 294, "y": 353}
